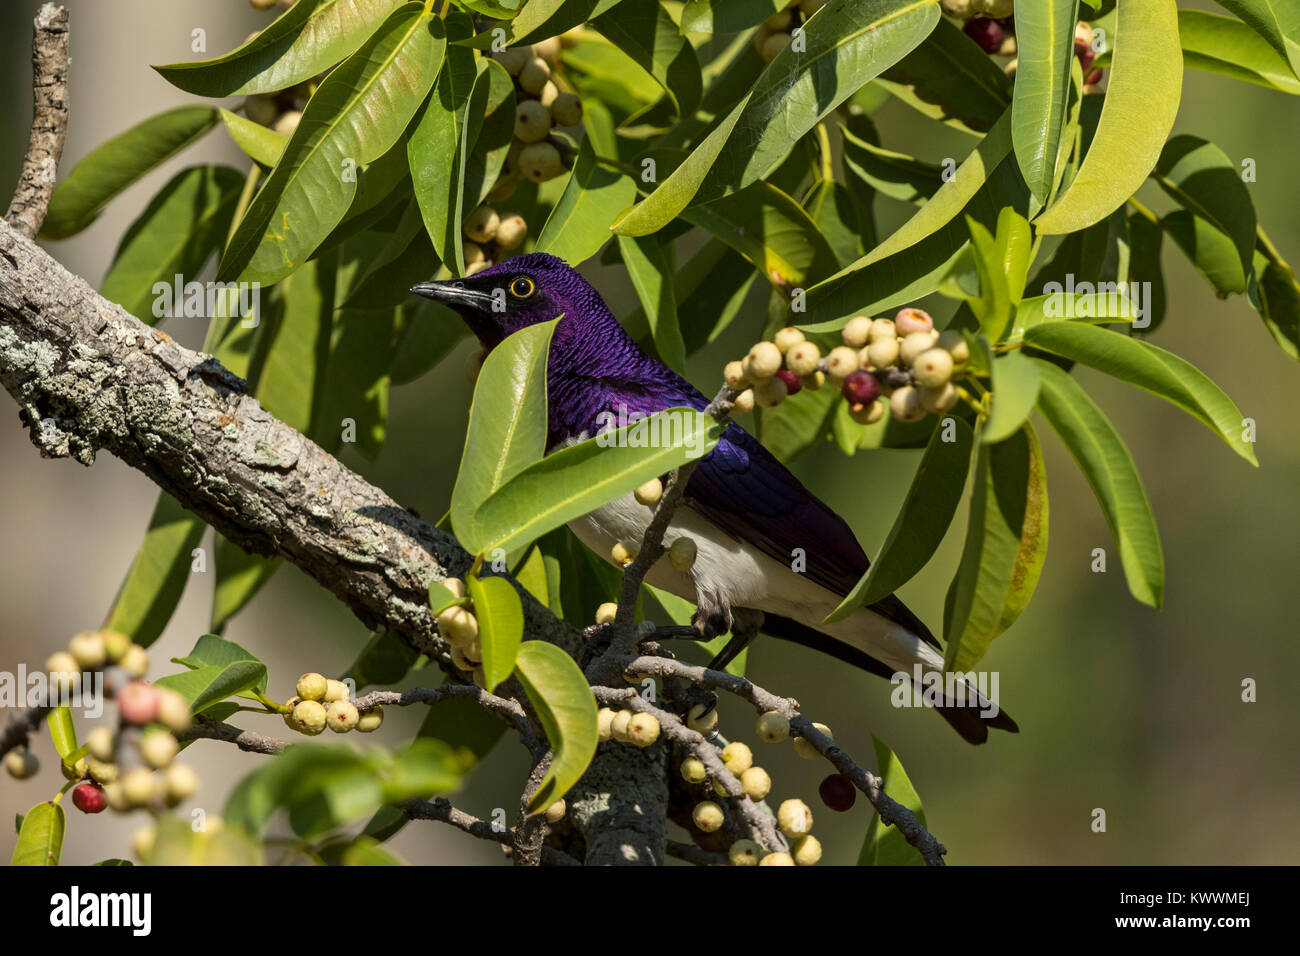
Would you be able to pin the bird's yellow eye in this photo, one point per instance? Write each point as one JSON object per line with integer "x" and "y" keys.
{"x": 521, "y": 287}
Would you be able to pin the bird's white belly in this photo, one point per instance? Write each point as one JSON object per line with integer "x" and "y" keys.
{"x": 746, "y": 577}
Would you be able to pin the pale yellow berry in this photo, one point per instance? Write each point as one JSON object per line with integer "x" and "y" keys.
{"x": 309, "y": 715}
{"x": 806, "y": 850}
{"x": 868, "y": 414}
{"x": 287, "y": 123}
{"x": 702, "y": 719}
{"x": 773, "y": 46}
{"x": 905, "y": 404}
{"x": 682, "y": 554}
{"x": 287, "y": 715}
{"x": 22, "y": 764}
{"x": 173, "y": 710}
{"x": 116, "y": 645}
{"x": 341, "y": 716}
{"x": 460, "y": 660}
{"x": 512, "y": 230}
{"x": 744, "y": 853}
{"x": 455, "y": 585}
{"x": 567, "y": 110}
{"x": 882, "y": 329}
{"x": 101, "y": 771}
{"x": 1083, "y": 33}
{"x": 158, "y": 748}
{"x": 336, "y": 690}
{"x": 100, "y": 743}
{"x": 802, "y": 358}
{"x": 606, "y": 613}
{"x": 115, "y": 795}
{"x": 180, "y": 782}
{"x": 371, "y": 720}
{"x": 555, "y": 812}
{"x": 649, "y": 493}
{"x": 540, "y": 162}
{"x": 138, "y": 786}
{"x": 932, "y": 368}
{"x": 762, "y": 362}
{"x": 733, "y": 373}
{"x": 457, "y": 625}
{"x": 809, "y": 7}
{"x": 708, "y": 816}
{"x": 856, "y": 332}
{"x": 620, "y": 726}
{"x": 1013, "y": 67}
{"x": 756, "y": 782}
{"x": 738, "y": 757}
{"x": 777, "y": 859}
{"x": 604, "y": 723}
{"x": 794, "y": 818}
{"x": 955, "y": 343}
{"x": 514, "y": 59}
{"x": 693, "y": 770}
{"x": 312, "y": 686}
{"x": 623, "y": 553}
{"x": 481, "y": 224}
{"x": 88, "y": 649}
{"x": 532, "y": 121}
{"x": 548, "y": 49}
{"x": 743, "y": 403}
{"x": 533, "y": 75}
{"x": 938, "y": 400}
{"x": 643, "y": 729}
{"x": 135, "y": 661}
{"x": 771, "y": 392}
{"x": 914, "y": 344}
{"x": 910, "y": 321}
{"x": 719, "y": 789}
{"x": 883, "y": 353}
{"x": 805, "y": 749}
{"x": 787, "y": 338}
{"x": 63, "y": 669}
{"x": 813, "y": 381}
{"x": 772, "y": 727}
{"x": 841, "y": 363}
{"x": 550, "y": 92}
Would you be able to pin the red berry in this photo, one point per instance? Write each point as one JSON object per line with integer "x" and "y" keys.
{"x": 1084, "y": 53}
{"x": 837, "y": 792}
{"x": 861, "y": 388}
{"x": 88, "y": 798}
{"x": 137, "y": 702}
{"x": 792, "y": 383}
{"x": 987, "y": 33}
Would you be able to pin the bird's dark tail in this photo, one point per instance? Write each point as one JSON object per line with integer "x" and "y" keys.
{"x": 969, "y": 721}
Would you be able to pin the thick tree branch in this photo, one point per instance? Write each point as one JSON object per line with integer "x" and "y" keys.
{"x": 49, "y": 121}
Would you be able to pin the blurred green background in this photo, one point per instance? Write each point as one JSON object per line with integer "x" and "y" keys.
{"x": 1121, "y": 707}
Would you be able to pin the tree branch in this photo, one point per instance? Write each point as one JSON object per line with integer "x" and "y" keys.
{"x": 442, "y": 811}
{"x": 246, "y": 740}
{"x": 49, "y": 121}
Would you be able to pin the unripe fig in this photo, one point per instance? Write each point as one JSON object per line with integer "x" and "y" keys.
{"x": 606, "y": 613}
{"x": 882, "y": 329}
{"x": 101, "y": 771}
{"x": 841, "y": 363}
{"x": 857, "y": 332}
{"x": 914, "y": 344}
{"x": 336, "y": 690}
{"x": 718, "y": 788}
{"x": 649, "y": 493}
{"x": 777, "y": 859}
{"x": 738, "y": 757}
{"x": 805, "y": 749}
{"x": 744, "y": 853}
{"x": 135, "y": 661}
{"x": 883, "y": 353}
{"x": 701, "y": 719}
{"x": 137, "y": 703}
{"x": 619, "y": 727}
{"x": 909, "y": 321}
{"x": 88, "y": 798}
{"x": 511, "y": 232}
{"x": 838, "y": 792}
{"x": 550, "y": 92}
{"x": 778, "y": 21}
{"x": 309, "y": 715}
{"x": 342, "y": 716}
{"x": 793, "y": 383}
{"x": 100, "y": 743}
{"x": 938, "y": 400}
{"x": 961, "y": 9}
{"x": 932, "y": 368}
{"x": 370, "y": 720}
{"x": 787, "y": 338}
{"x": 138, "y": 786}
{"x": 604, "y": 722}
{"x": 693, "y": 770}
{"x": 868, "y": 414}
{"x": 505, "y": 185}
{"x": 286, "y": 124}
{"x": 180, "y": 782}
{"x": 987, "y": 33}
{"x": 312, "y": 686}
{"x": 481, "y": 224}
{"x": 63, "y": 669}
{"x": 708, "y": 816}
{"x": 158, "y": 748}
{"x": 813, "y": 381}
{"x": 548, "y": 49}
{"x": 115, "y": 795}
{"x": 532, "y": 121}
{"x": 540, "y": 162}
{"x": 261, "y": 4}
{"x": 762, "y": 361}
{"x": 772, "y": 727}
{"x": 806, "y": 850}
{"x": 534, "y": 75}
{"x": 173, "y": 710}
{"x": 460, "y": 660}
{"x": 743, "y": 403}
{"x": 623, "y": 553}
{"x": 861, "y": 388}
{"x": 78, "y": 771}
{"x": 116, "y": 645}
{"x": 88, "y": 649}
{"x": 954, "y": 343}
{"x": 760, "y": 37}
{"x": 682, "y": 554}
{"x": 21, "y": 764}
{"x": 770, "y": 392}
{"x": 802, "y": 358}
{"x": 1011, "y": 68}
{"x": 555, "y": 812}
{"x": 567, "y": 110}
{"x": 643, "y": 729}
{"x": 514, "y": 59}
{"x": 773, "y": 46}
{"x": 1009, "y": 46}
{"x": 756, "y": 782}
{"x": 473, "y": 254}
{"x": 458, "y": 625}
{"x": 733, "y": 373}
{"x": 794, "y": 818}
{"x": 905, "y": 404}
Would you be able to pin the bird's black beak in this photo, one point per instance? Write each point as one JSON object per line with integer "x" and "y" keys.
{"x": 454, "y": 292}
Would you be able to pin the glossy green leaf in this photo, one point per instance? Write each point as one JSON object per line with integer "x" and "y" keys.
{"x": 799, "y": 424}
{"x": 1277, "y": 21}
{"x": 177, "y": 233}
{"x": 649, "y": 266}
{"x": 1142, "y": 97}
{"x": 1109, "y": 469}
{"x": 848, "y": 43}
{"x": 562, "y": 698}
{"x": 428, "y": 336}
{"x": 214, "y": 651}
{"x": 575, "y": 480}
{"x": 358, "y": 114}
{"x": 1210, "y": 249}
{"x": 1006, "y": 542}
{"x": 1146, "y": 238}
{"x": 644, "y": 31}
{"x": 726, "y": 16}
{"x": 890, "y": 173}
{"x": 1045, "y": 50}
{"x": 260, "y": 143}
{"x": 355, "y": 403}
{"x": 507, "y": 422}
{"x": 240, "y": 576}
{"x": 1098, "y": 308}
{"x": 40, "y": 840}
{"x": 1229, "y": 47}
{"x": 1015, "y": 390}
{"x": 885, "y": 845}
{"x": 531, "y": 575}
{"x": 1275, "y": 294}
{"x": 538, "y": 20}
{"x": 407, "y": 258}
{"x": 158, "y": 575}
{"x": 922, "y": 522}
{"x": 63, "y": 732}
{"x": 579, "y": 225}
{"x": 307, "y": 39}
{"x": 1147, "y": 366}
{"x": 114, "y": 165}
{"x": 490, "y": 128}
{"x": 501, "y": 625}
{"x": 841, "y": 218}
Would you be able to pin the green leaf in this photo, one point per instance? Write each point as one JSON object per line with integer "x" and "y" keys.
{"x": 885, "y": 845}
{"x": 308, "y": 38}
{"x": 430, "y": 332}
{"x": 356, "y": 381}
{"x": 1015, "y": 390}
{"x": 1229, "y": 47}
{"x": 1045, "y": 41}
{"x": 848, "y": 43}
{"x": 214, "y": 651}
{"x": 1275, "y": 293}
{"x": 726, "y": 16}
{"x": 157, "y": 577}
{"x": 530, "y": 572}
{"x": 40, "y": 841}
{"x": 1141, "y": 102}
{"x": 1145, "y": 240}
{"x": 442, "y": 597}
{"x": 490, "y": 128}
{"x": 177, "y": 233}
{"x": 567, "y": 711}
{"x": 891, "y": 174}
{"x": 575, "y": 480}
{"x": 649, "y": 266}
{"x": 1006, "y": 542}
{"x": 507, "y": 421}
{"x": 501, "y": 625}
{"x": 63, "y": 732}
{"x": 593, "y": 196}
{"x": 294, "y": 347}
{"x": 177, "y": 843}
{"x": 1152, "y": 368}
{"x": 645, "y": 32}
{"x": 260, "y": 143}
{"x": 211, "y": 683}
{"x": 796, "y": 425}
{"x": 1277, "y": 21}
{"x": 366, "y": 851}
{"x": 1210, "y": 249}
{"x": 844, "y": 221}
{"x": 540, "y": 19}
{"x": 1109, "y": 468}
{"x": 114, "y": 165}
{"x": 1098, "y": 308}
{"x": 921, "y": 523}
{"x": 357, "y": 115}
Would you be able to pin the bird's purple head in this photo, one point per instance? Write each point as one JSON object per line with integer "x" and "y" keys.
{"x": 516, "y": 293}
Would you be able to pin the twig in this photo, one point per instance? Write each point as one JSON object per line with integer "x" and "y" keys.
{"x": 508, "y": 709}
{"x": 245, "y": 740}
{"x": 442, "y": 811}
{"x": 49, "y": 129}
